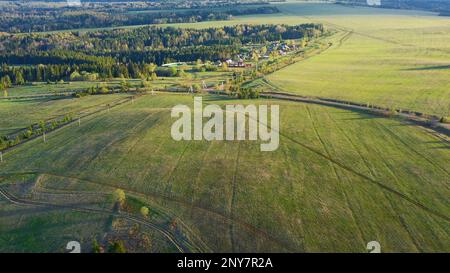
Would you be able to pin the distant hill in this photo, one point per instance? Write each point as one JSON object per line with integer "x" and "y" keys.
{"x": 441, "y": 6}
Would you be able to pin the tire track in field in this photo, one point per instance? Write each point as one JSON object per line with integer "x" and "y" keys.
{"x": 211, "y": 212}
{"x": 164, "y": 214}
{"x": 54, "y": 191}
{"x": 300, "y": 224}
{"x": 202, "y": 165}
{"x": 123, "y": 158}
{"x": 410, "y": 148}
{"x": 145, "y": 175}
{"x": 21, "y": 202}
{"x": 372, "y": 174}
{"x": 365, "y": 177}
{"x": 339, "y": 178}
{"x": 233, "y": 198}
{"x": 117, "y": 139}
{"x": 168, "y": 183}
{"x": 392, "y": 205}
{"x": 125, "y": 135}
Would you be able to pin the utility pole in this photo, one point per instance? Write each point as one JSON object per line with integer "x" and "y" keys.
{"x": 79, "y": 121}
{"x": 1, "y": 157}
{"x": 43, "y": 135}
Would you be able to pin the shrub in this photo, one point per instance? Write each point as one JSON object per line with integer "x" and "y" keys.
{"x": 444, "y": 120}
{"x": 117, "y": 247}
{"x": 144, "y": 211}
{"x": 119, "y": 196}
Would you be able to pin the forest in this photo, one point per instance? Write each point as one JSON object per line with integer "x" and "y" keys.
{"x": 128, "y": 52}
{"x": 51, "y": 19}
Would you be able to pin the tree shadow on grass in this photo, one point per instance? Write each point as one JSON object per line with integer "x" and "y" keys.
{"x": 356, "y": 114}
{"x": 424, "y": 68}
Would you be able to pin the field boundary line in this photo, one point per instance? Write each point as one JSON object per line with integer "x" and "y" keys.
{"x": 351, "y": 170}
{"x": 374, "y": 176}
{"x": 413, "y": 119}
{"x": 168, "y": 184}
{"x": 410, "y": 147}
{"x": 336, "y": 173}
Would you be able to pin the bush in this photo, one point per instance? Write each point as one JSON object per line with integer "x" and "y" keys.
{"x": 27, "y": 134}
{"x": 444, "y": 120}
{"x": 119, "y": 196}
{"x": 248, "y": 93}
{"x": 144, "y": 211}
{"x": 117, "y": 247}
{"x": 166, "y": 71}
{"x": 196, "y": 87}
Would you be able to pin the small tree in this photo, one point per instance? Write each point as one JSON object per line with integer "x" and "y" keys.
{"x": 196, "y": 87}
{"x": 6, "y": 80}
{"x": 96, "y": 248}
{"x": 124, "y": 87}
{"x": 119, "y": 196}
{"x": 3, "y": 88}
{"x": 224, "y": 66}
{"x": 18, "y": 78}
{"x": 117, "y": 247}
{"x": 75, "y": 76}
{"x": 144, "y": 212}
{"x": 154, "y": 76}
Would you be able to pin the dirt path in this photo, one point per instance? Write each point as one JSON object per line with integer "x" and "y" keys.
{"x": 22, "y": 202}
{"x": 415, "y": 118}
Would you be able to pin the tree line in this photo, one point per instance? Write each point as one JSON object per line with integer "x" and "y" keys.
{"x": 53, "y": 19}
{"x": 131, "y": 53}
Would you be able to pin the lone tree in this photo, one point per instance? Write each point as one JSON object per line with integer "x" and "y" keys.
{"x": 96, "y": 248}
{"x": 117, "y": 247}
{"x": 144, "y": 212}
{"x": 3, "y": 88}
{"x": 119, "y": 196}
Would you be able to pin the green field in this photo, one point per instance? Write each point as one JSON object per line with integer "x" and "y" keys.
{"x": 327, "y": 188}
{"x": 398, "y": 59}
{"x": 19, "y": 114}
{"x": 340, "y": 178}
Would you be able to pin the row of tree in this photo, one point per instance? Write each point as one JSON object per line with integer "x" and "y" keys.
{"x": 18, "y": 21}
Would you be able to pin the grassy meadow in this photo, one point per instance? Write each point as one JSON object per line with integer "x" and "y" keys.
{"x": 338, "y": 180}
{"x": 19, "y": 114}
{"x": 389, "y": 58}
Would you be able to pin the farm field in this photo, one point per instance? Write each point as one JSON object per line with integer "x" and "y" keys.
{"x": 397, "y": 59}
{"x": 19, "y": 114}
{"x": 338, "y": 180}
{"x": 342, "y": 176}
